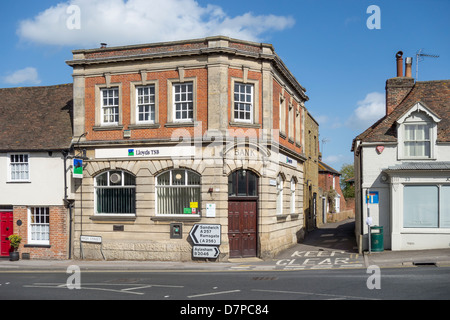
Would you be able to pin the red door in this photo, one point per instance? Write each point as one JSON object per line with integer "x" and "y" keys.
{"x": 6, "y": 229}
{"x": 242, "y": 228}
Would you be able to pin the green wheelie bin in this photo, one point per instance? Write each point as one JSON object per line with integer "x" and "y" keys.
{"x": 376, "y": 239}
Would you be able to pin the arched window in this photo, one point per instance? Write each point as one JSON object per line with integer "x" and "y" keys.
{"x": 242, "y": 183}
{"x": 280, "y": 186}
{"x": 293, "y": 187}
{"x": 178, "y": 192}
{"x": 115, "y": 193}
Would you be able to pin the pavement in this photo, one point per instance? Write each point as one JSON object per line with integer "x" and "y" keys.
{"x": 331, "y": 246}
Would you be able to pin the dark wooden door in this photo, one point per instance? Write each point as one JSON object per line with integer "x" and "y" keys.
{"x": 242, "y": 226}
{"x": 6, "y": 229}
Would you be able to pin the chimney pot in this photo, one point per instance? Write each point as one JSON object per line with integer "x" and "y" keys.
{"x": 408, "y": 66}
{"x": 399, "y": 55}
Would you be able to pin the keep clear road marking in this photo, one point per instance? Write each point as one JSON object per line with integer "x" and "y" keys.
{"x": 321, "y": 259}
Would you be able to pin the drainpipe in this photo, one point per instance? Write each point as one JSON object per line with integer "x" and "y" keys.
{"x": 68, "y": 203}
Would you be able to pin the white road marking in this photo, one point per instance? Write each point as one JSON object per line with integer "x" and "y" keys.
{"x": 212, "y": 293}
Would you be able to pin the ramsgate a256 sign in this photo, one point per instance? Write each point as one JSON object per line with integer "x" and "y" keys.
{"x": 206, "y": 234}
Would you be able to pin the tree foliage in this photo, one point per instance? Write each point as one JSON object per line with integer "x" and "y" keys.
{"x": 348, "y": 188}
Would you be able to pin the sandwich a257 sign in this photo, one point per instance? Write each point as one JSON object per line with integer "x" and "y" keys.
{"x": 206, "y": 234}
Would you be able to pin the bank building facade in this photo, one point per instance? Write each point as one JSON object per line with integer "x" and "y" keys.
{"x": 181, "y": 139}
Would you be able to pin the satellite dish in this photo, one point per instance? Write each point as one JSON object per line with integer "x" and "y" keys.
{"x": 115, "y": 178}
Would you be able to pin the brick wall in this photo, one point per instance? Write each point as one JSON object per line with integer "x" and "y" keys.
{"x": 284, "y": 139}
{"x": 125, "y": 81}
{"x": 396, "y": 90}
{"x": 58, "y": 247}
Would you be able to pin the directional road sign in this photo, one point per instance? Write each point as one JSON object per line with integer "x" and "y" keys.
{"x": 206, "y": 234}
{"x": 205, "y": 252}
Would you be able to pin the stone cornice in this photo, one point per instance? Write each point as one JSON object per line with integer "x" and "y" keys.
{"x": 180, "y": 49}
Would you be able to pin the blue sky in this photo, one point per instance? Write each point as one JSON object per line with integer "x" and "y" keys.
{"x": 326, "y": 44}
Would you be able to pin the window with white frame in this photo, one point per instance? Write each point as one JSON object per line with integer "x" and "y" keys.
{"x": 280, "y": 183}
{"x": 176, "y": 191}
{"x": 417, "y": 142}
{"x": 39, "y": 225}
{"x": 417, "y": 133}
{"x": 293, "y": 187}
{"x": 145, "y": 104}
{"x": 115, "y": 193}
{"x": 19, "y": 167}
{"x": 426, "y": 206}
{"x": 110, "y": 106}
{"x": 183, "y": 101}
{"x": 243, "y": 102}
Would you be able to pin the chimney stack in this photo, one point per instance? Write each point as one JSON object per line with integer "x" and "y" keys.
{"x": 103, "y": 45}
{"x": 398, "y": 88}
{"x": 408, "y": 66}
{"x": 399, "y": 56}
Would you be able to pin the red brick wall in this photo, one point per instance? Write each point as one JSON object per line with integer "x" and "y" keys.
{"x": 276, "y": 117}
{"x": 239, "y": 73}
{"x": 326, "y": 183}
{"x": 58, "y": 234}
{"x": 125, "y": 79}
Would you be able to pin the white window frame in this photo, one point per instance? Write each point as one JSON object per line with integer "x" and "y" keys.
{"x": 280, "y": 186}
{"x": 150, "y": 104}
{"x": 237, "y": 101}
{"x": 408, "y": 144}
{"x": 44, "y": 227}
{"x": 109, "y": 186}
{"x": 419, "y": 114}
{"x": 189, "y": 102}
{"x": 171, "y": 185}
{"x": 13, "y": 164}
{"x": 441, "y": 227}
{"x": 293, "y": 187}
{"x": 115, "y": 107}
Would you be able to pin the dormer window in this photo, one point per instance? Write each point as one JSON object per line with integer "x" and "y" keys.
{"x": 417, "y": 133}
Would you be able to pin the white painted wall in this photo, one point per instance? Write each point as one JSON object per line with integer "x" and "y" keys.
{"x": 391, "y": 200}
{"x": 46, "y": 185}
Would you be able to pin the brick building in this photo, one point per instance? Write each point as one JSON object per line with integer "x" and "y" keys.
{"x": 329, "y": 180}
{"x": 402, "y": 167}
{"x": 312, "y": 204}
{"x": 35, "y": 137}
{"x": 206, "y": 131}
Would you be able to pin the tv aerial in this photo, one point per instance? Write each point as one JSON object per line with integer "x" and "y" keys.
{"x": 420, "y": 57}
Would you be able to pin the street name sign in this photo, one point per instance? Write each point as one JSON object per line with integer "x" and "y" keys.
{"x": 206, "y": 234}
{"x": 205, "y": 252}
{"x": 92, "y": 239}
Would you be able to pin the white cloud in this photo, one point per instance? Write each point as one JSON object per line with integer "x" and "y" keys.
{"x": 369, "y": 110}
{"x": 333, "y": 158}
{"x": 120, "y": 22}
{"x": 27, "y": 75}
